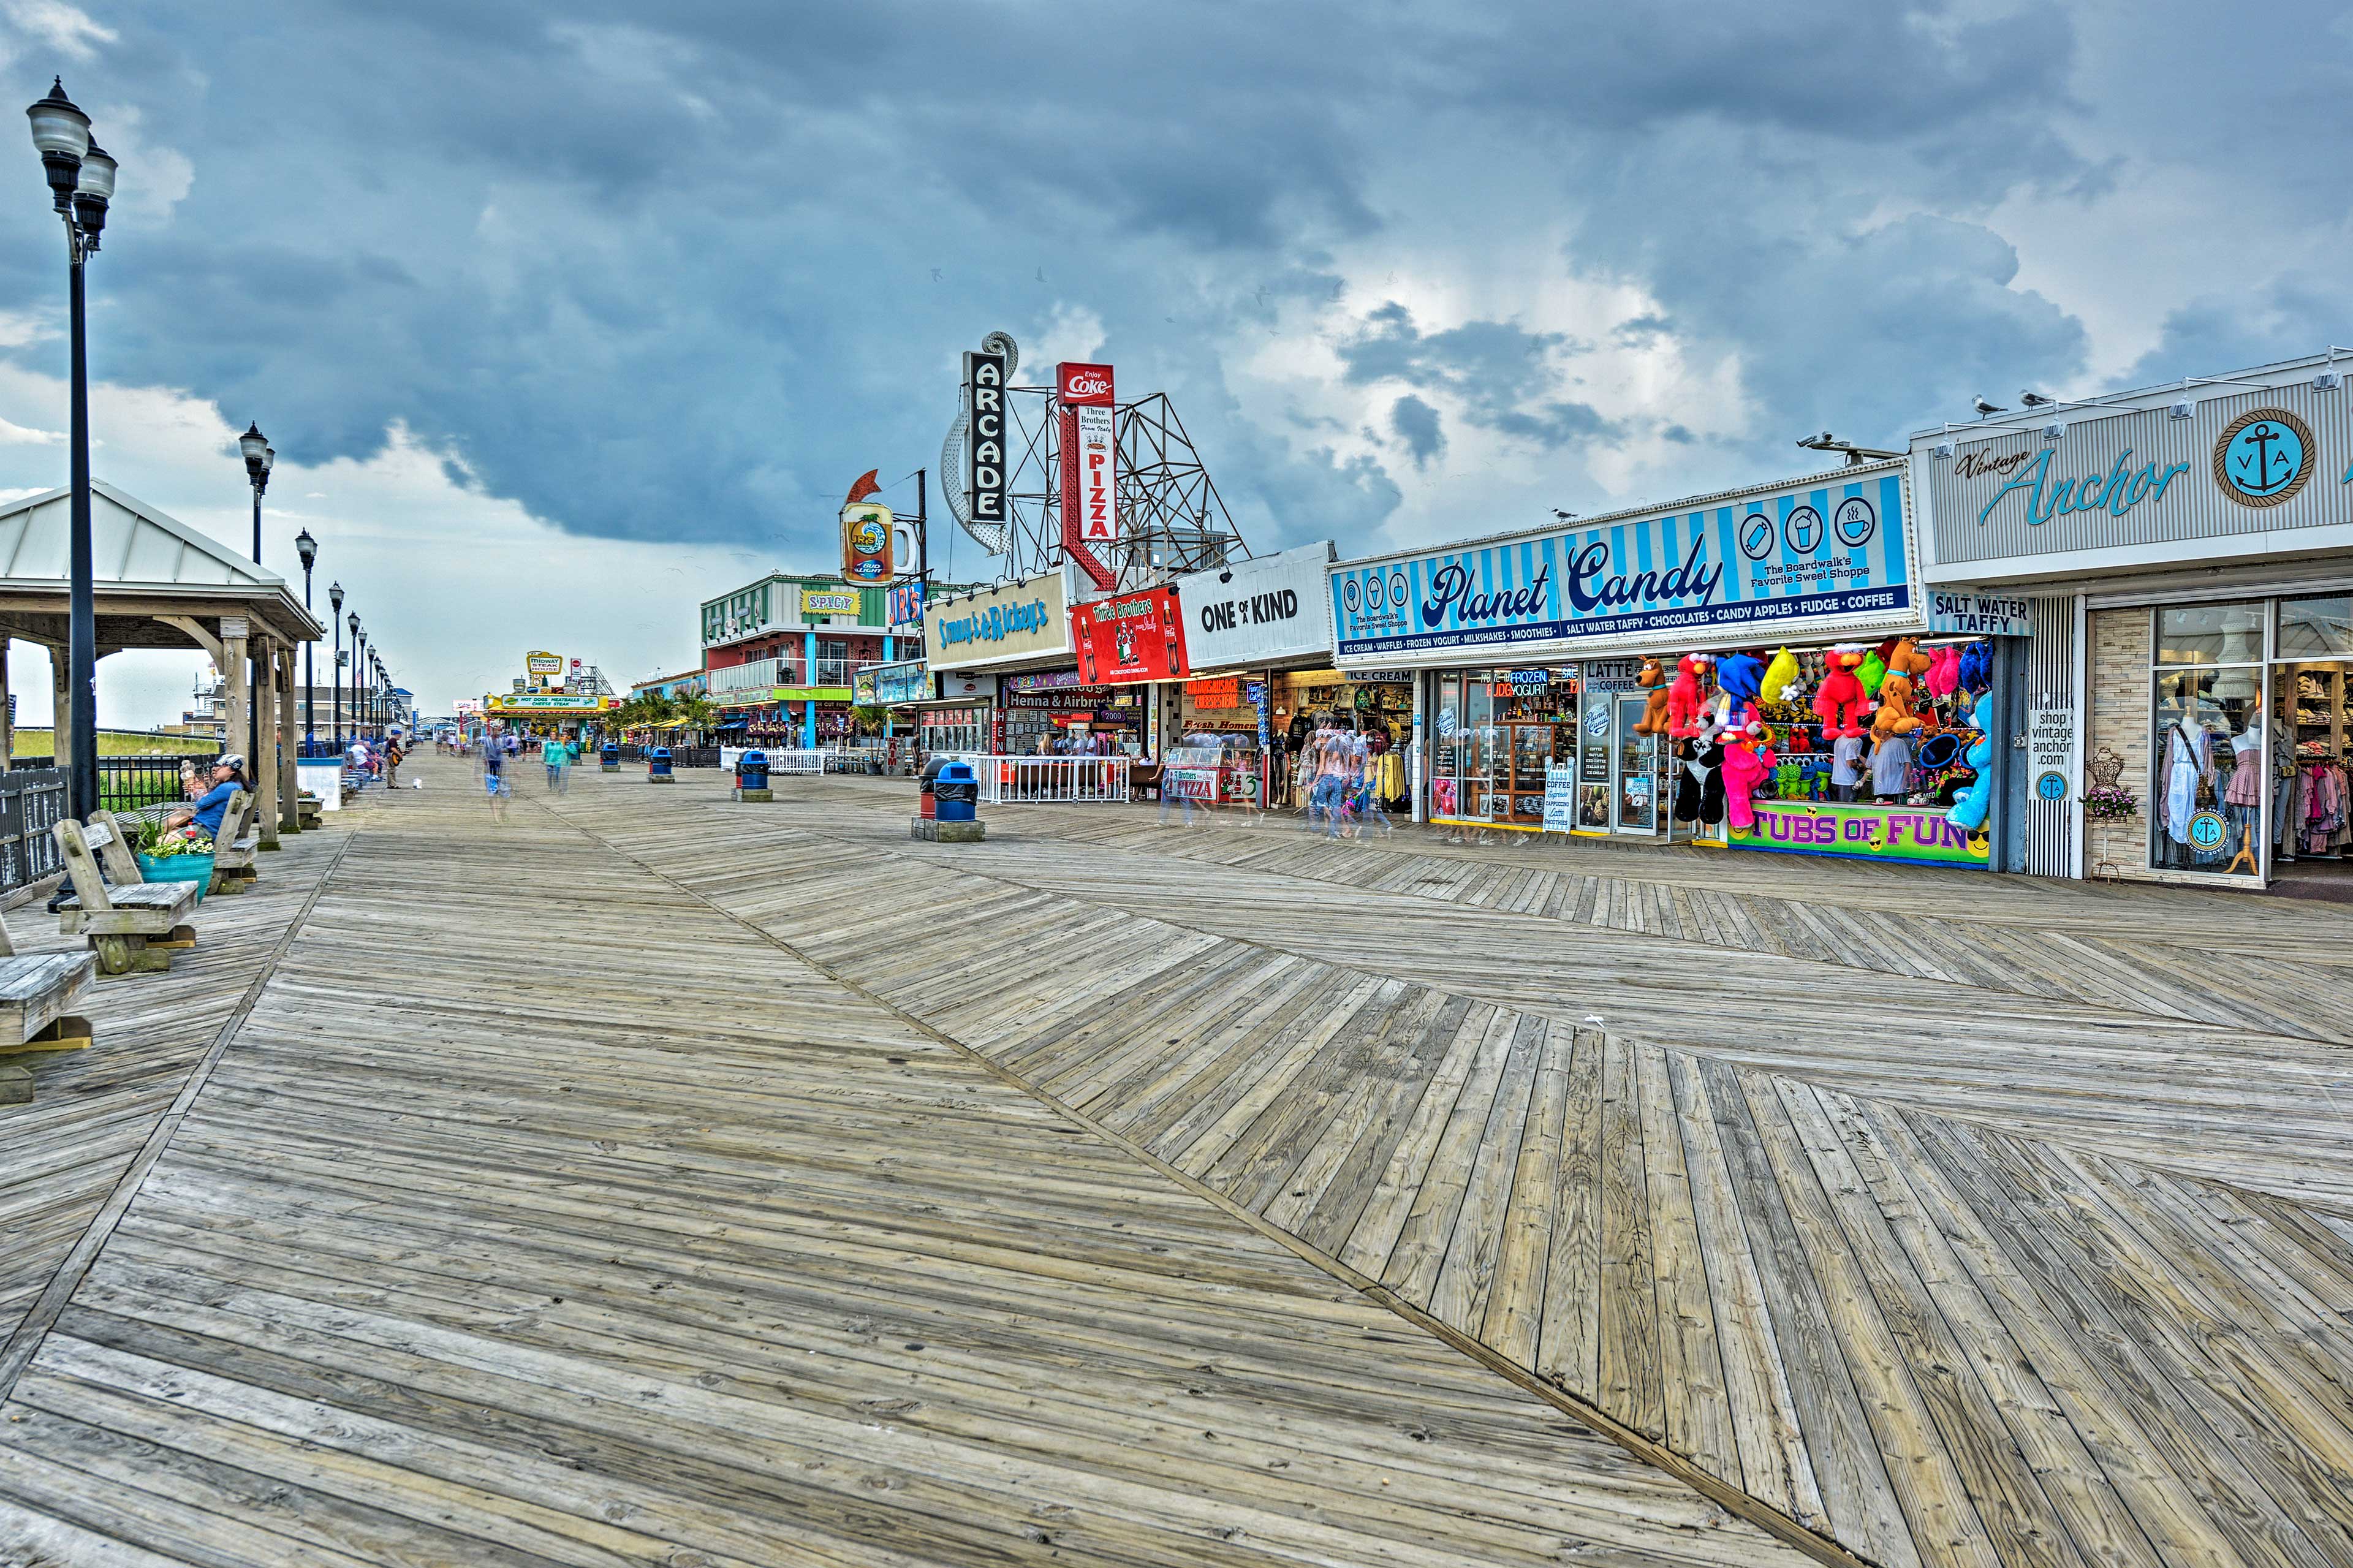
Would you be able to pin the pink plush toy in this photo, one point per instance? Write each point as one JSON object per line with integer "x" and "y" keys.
{"x": 1749, "y": 762}
{"x": 1944, "y": 671}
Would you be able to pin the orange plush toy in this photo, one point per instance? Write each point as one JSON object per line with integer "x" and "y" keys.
{"x": 1686, "y": 700}
{"x": 1840, "y": 703}
{"x": 1652, "y": 677}
{"x": 1895, "y": 716}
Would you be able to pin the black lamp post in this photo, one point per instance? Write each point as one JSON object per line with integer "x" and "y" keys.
{"x": 259, "y": 457}
{"x": 81, "y": 181}
{"x": 359, "y": 662}
{"x": 308, "y": 549}
{"x": 335, "y": 614}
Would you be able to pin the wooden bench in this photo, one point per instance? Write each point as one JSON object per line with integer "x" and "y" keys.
{"x": 133, "y": 924}
{"x": 36, "y": 990}
{"x": 307, "y": 811}
{"x": 234, "y": 845}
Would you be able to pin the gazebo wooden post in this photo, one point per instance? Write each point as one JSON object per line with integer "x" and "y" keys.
{"x": 265, "y": 682}
{"x": 232, "y": 636}
{"x": 61, "y": 691}
{"x": 289, "y": 817}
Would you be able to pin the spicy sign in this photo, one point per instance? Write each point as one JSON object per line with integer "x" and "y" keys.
{"x": 1135, "y": 636}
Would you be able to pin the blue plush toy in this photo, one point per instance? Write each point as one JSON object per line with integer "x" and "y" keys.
{"x": 1740, "y": 677}
{"x": 1969, "y": 808}
{"x": 1976, "y": 667}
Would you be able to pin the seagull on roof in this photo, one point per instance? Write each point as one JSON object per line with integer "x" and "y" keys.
{"x": 2035, "y": 400}
{"x": 1985, "y": 407}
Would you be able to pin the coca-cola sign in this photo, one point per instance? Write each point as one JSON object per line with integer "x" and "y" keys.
{"x": 1081, "y": 385}
{"x": 1088, "y": 427}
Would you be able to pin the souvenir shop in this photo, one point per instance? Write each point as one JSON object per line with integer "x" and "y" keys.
{"x": 2187, "y": 550}
{"x": 1749, "y": 667}
{"x": 1048, "y": 711}
{"x": 1257, "y": 636}
{"x": 1003, "y": 669}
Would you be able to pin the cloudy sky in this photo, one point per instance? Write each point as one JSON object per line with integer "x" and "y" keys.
{"x": 562, "y": 317}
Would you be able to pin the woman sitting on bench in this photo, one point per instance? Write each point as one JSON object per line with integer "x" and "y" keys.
{"x": 204, "y": 817}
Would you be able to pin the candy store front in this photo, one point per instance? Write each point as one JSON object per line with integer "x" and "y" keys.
{"x": 1751, "y": 669}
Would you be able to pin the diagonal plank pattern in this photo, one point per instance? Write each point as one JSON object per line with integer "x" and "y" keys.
{"x": 541, "y": 1214}
{"x": 1930, "y": 1338}
{"x": 62, "y": 1155}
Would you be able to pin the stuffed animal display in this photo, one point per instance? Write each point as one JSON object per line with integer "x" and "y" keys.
{"x": 1687, "y": 697}
{"x": 1944, "y": 671}
{"x": 1873, "y": 669}
{"x": 1784, "y": 682}
{"x": 1841, "y": 703}
{"x": 1699, "y": 783}
{"x": 1895, "y": 716}
{"x": 1652, "y": 677}
{"x": 1969, "y": 813}
{"x": 1741, "y": 676}
{"x": 1749, "y": 762}
{"x": 1975, "y": 672}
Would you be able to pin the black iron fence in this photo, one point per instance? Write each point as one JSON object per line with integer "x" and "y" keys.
{"x": 127, "y": 784}
{"x": 31, "y": 802}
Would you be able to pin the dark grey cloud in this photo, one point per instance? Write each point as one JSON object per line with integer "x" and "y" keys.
{"x": 680, "y": 271}
{"x": 1416, "y": 423}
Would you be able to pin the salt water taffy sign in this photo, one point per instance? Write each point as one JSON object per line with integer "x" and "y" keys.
{"x": 1862, "y": 833}
{"x": 1746, "y": 566}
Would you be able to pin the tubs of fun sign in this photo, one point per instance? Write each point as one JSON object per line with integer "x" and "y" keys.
{"x": 1862, "y": 833}
{"x": 1748, "y": 567}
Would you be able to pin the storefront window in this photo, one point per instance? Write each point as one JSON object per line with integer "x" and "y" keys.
{"x": 2211, "y": 634}
{"x": 2209, "y": 762}
{"x": 2316, "y": 628}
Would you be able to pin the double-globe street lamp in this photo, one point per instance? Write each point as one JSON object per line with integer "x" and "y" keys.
{"x": 81, "y": 182}
{"x": 260, "y": 457}
{"x": 308, "y": 549}
{"x": 335, "y": 614}
{"x": 359, "y": 663}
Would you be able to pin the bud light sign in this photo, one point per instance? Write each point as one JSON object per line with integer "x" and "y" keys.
{"x": 1750, "y": 566}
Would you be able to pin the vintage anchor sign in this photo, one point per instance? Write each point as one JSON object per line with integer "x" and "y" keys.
{"x": 2265, "y": 457}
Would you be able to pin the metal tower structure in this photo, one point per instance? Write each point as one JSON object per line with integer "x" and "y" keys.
{"x": 1172, "y": 519}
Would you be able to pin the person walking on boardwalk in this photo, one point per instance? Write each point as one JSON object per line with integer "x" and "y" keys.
{"x": 556, "y": 753}
{"x": 493, "y": 772}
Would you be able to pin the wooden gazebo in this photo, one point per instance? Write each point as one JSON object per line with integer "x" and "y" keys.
{"x": 160, "y": 584}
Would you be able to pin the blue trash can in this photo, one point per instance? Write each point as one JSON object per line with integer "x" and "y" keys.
{"x": 658, "y": 766}
{"x": 956, "y": 791}
{"x": 752, "y": 776}
{"x": 609, "y": 755}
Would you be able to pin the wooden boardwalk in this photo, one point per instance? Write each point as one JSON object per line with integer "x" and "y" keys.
{"x": 2025, "y": 1263}
{"x": 504, "y": 1200}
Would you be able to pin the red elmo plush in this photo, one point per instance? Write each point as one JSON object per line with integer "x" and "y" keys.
{"x": 1686, "y": 701}
{"x": 1841, "y": 703}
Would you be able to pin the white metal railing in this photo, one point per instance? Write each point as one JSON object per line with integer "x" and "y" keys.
{"x": 779, "y": 760}
{"x": 1010, "y": 780}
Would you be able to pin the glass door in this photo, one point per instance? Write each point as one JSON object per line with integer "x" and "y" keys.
{"x": 1634, "y": 792}
{"x": 1531, "y": 747}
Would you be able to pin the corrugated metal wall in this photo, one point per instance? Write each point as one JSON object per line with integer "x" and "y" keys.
{"x": 2048, "y": 672}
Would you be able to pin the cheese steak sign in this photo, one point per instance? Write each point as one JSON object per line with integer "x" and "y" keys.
{"x": 1010, "y": 624}
{"x": 1275, "y": 608}
{"x": 1135, "y": 636}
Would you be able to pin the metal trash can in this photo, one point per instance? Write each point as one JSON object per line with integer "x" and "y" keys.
{"x": 658, "y": 766}
{"x": 956, "y": 792}
{"x": 609, "y": 755}
{"x": 752, "y": 776}
{"x": 927, "y": 804}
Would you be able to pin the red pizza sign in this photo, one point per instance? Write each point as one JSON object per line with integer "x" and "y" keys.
{"x": 1131, "y": 637}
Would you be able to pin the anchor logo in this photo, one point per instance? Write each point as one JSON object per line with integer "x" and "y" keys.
{"x": 2265, "y": 457}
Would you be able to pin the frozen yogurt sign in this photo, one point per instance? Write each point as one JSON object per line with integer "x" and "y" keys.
{"x": 1752, "y": 565}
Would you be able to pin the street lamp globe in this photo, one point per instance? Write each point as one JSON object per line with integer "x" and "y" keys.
{"x": 356, "y": 623}
{"x": 92, "y": 192}
{"x": 61, "y": 135}
{"x": 335, "y": 596}
{"x": 256, "y": 448}
{"x": 308, "y": 549}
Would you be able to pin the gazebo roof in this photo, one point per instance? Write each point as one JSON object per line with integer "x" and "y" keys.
{"x": 144, "y": 562}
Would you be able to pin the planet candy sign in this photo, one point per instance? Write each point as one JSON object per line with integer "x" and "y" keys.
{"x": 1861, "y": 833}
{"x": 1748, "y": 567}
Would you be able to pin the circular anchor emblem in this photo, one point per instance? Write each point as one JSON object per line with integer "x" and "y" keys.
{"x": 2265, "y": 457}
{"x": 2206, "y": 830}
